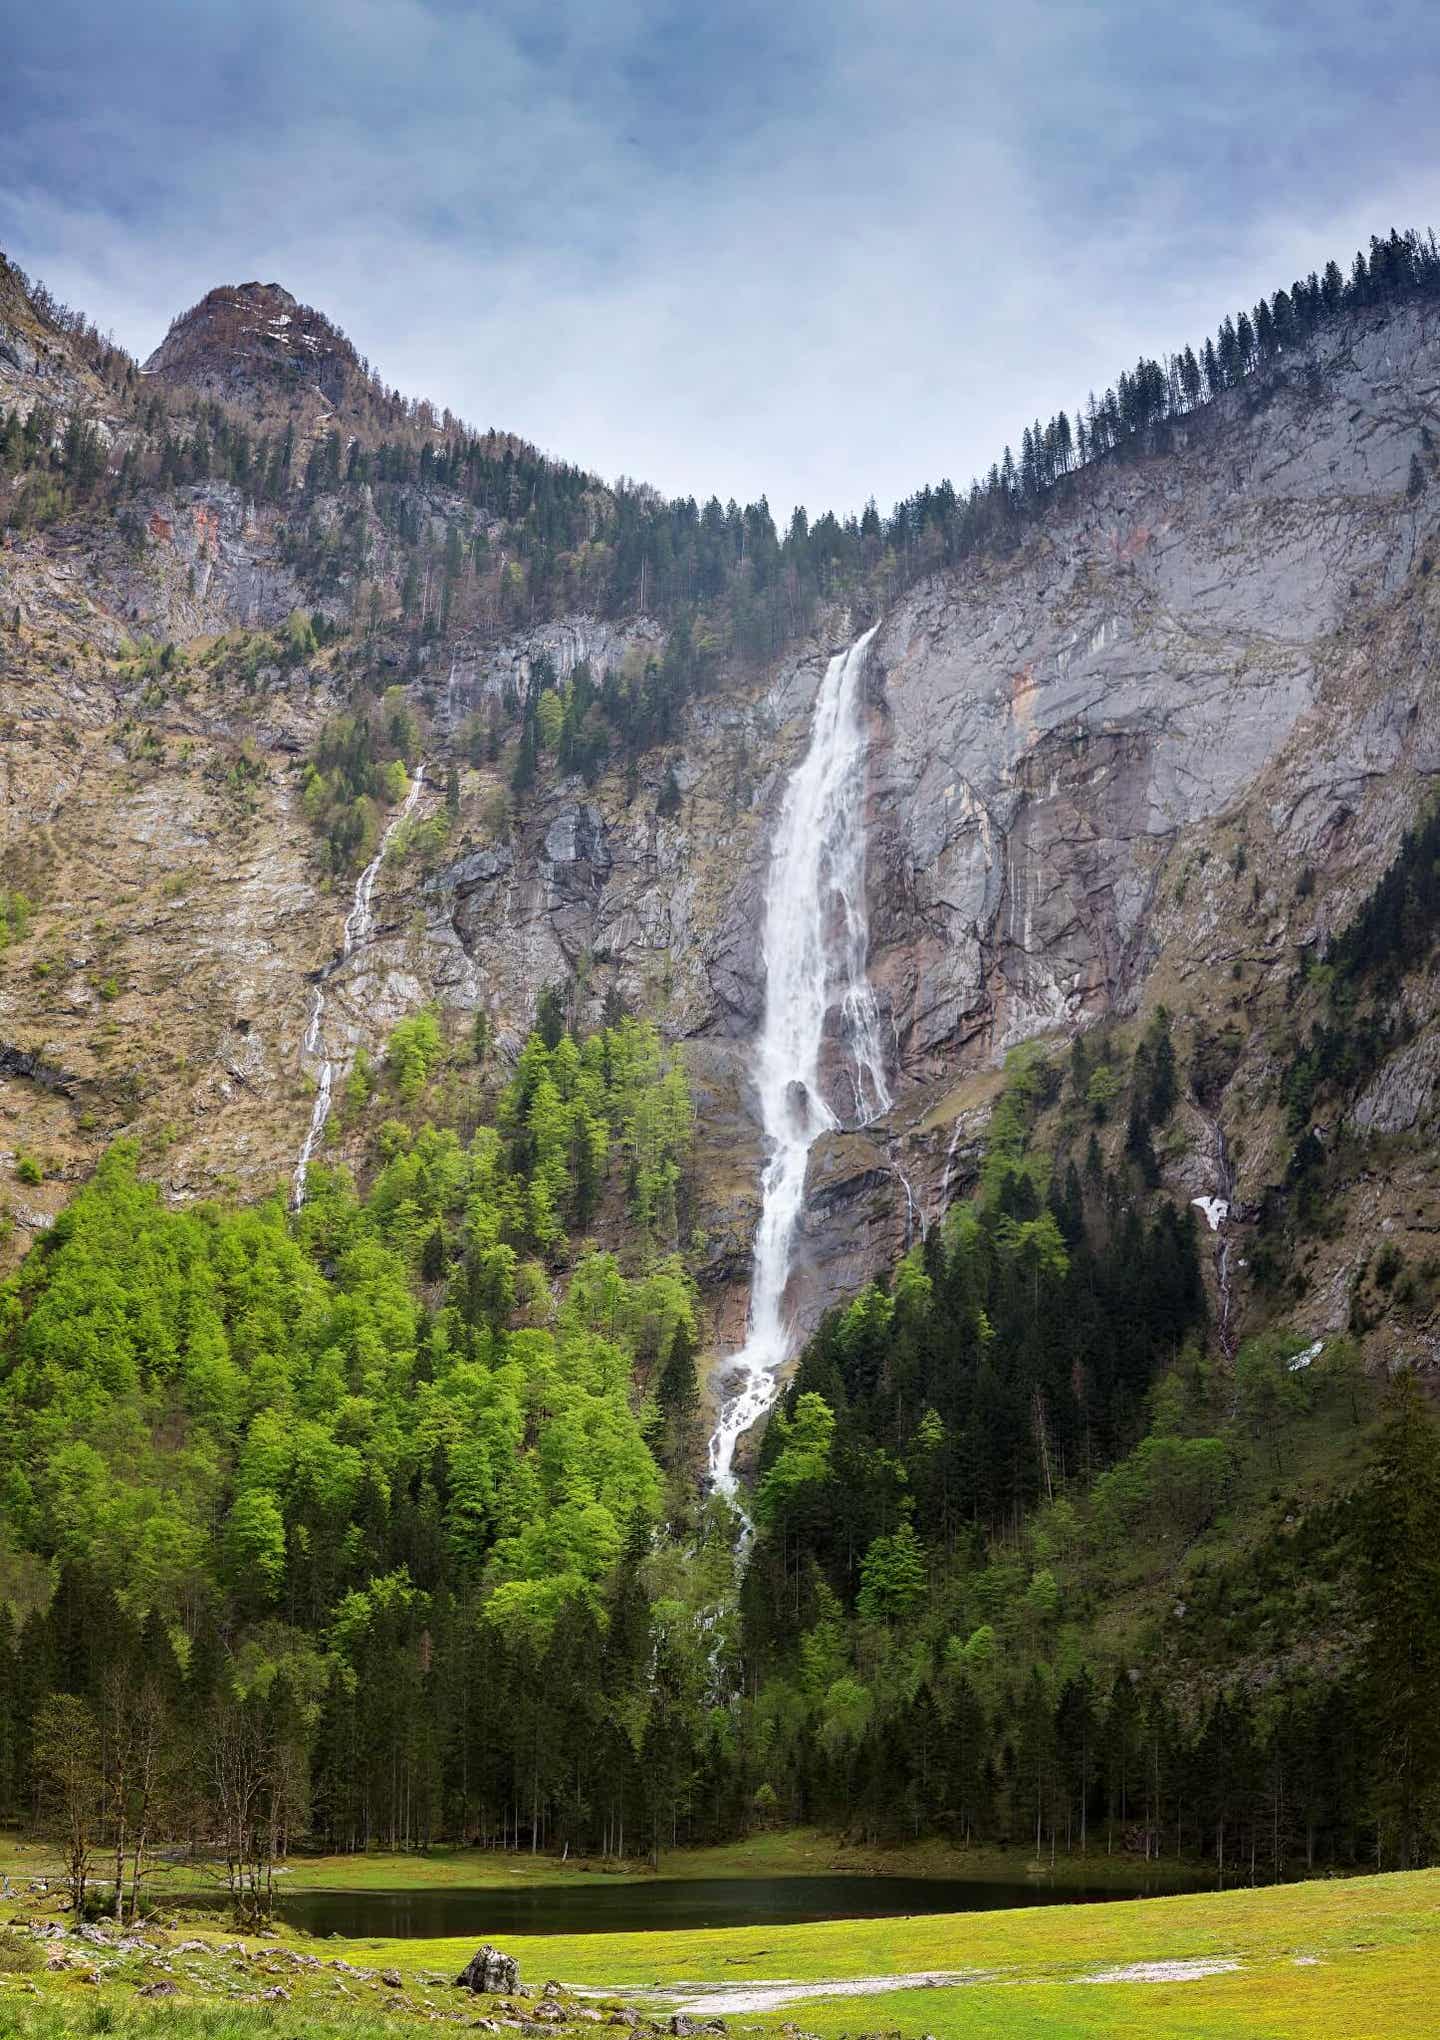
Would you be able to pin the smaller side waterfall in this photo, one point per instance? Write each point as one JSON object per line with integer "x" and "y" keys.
{"x": 359, "y": 926}
{"x": 1219, "y": 1209}
{"x": 949, "y": 1169}
{"x": 815, "y": 951}
{"x": 916, "y": 1221}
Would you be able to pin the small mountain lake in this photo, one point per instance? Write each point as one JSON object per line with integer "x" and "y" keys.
{"x": 485, "y": 1913}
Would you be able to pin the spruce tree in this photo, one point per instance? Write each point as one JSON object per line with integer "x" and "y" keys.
{"x": 1400, "y": 1550}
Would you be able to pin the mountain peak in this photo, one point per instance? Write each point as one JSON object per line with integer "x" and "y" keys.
{"x": 254, "y": 339}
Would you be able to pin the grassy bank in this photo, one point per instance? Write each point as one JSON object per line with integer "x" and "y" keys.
{"x": 798, "y": 1852}
{"x": 1358, "y": 1957}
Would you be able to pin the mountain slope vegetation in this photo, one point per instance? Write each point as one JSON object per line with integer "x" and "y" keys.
{"x": 1087, "y": 1520}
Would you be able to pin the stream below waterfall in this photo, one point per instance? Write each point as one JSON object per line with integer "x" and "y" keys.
{"x": 359, "y": 926}
{"x": 815, "y": 944}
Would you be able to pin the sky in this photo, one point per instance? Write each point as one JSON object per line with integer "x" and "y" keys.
{"x": 817, "y": 249}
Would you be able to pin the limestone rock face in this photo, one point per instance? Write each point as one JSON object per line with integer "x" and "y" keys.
{"x": 1099, "y": 765}
{"x": 208, "y": 563}
{"x": 1047, "y": 728}
{"x": 1400, "y": 1098}
{"x": 1191, "y": 638}
{"x": 36, "y": 366}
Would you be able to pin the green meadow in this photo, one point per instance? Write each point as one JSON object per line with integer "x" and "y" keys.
{"x": 1357, "y": 1957}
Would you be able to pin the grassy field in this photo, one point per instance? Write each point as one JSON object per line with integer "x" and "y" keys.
{"x": 1358, "y": 1958}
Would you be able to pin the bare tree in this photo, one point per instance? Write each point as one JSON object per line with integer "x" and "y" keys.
{"x": 153, "y": 1776}
{"x": 67, "y": 1763}
{"x": 117, "y": 1755}
{"x": 250, "y": 1784}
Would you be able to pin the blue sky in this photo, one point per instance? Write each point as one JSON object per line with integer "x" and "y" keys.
{"x": 822, "y": 249}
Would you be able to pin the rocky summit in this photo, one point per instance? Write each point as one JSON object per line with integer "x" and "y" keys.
{"x": 248, "y": 340}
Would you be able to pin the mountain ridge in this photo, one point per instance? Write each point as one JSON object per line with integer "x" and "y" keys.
{"x": 596, "y": 874}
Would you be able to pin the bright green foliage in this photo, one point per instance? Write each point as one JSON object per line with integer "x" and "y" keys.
{"x": 414, "y": 1048}
{"x": 1166, "y": 1483}
{"x": 359, "y": 1084}
{"x": 1102, "y": 1091}
{"x": 300, "y": 640}
{"x": 550, "y": 714}
{"x": 357, "y": 771}
{"x": 15, "y": 913}
{"x": 1270, "y": 1389}
{"x": 244, "y": 1448}
{"x": 802, "y": 1461}
{"x": 1042, "y": 1596}
{"x": 892, "y": 1576}
{"x": 569, "y": 1105}
{"x": 1007, "y": 1157}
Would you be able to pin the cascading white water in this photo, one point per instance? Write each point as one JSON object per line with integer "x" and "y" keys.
{"x": 949, "y": 1169}
{"x": 359, "y": 924}
{"x": 814, "y": 947}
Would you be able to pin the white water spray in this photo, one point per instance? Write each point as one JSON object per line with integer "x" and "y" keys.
{"x": 815, "y": 943}
{"x": 359, "y": 926}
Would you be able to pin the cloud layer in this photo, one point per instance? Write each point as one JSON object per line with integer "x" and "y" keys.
{"x": 821, "y": 251}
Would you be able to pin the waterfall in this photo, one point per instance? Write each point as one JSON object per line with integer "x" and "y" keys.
{"x": 915, "y": 1219}
{"x": 1218, "y": 1209}
{"x": 956, "y": 1132}
{"x": 815, "y": 949}
{"x": 359, "y": 926}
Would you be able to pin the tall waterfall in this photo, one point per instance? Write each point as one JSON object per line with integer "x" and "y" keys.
{"x": 815, "y": 944}
{"x": 359, "y": 926}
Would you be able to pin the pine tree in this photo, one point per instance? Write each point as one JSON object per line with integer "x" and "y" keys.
{"x": 1400, "y": 1546}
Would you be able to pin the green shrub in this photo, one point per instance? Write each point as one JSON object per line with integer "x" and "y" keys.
{"x": 19, "y": 1956}
{"x": 15, "y": 912}
{"x": 412, "y": 1052}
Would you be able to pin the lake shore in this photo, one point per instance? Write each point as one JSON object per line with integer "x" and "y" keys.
{"x": 792, "y": 1852}
{"x": 1297, "y": 1962}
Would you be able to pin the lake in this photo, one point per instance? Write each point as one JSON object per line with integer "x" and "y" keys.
{"x": 664, "y": 1905}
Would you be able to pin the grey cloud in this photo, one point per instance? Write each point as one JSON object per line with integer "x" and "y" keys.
{"x": 820, "y": 251}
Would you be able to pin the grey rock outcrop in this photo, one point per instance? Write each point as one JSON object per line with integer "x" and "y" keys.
{"x": 1401, "y": 1095}
{"x": 489, "y": 1972}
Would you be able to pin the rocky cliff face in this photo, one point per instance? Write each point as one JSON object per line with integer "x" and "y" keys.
{"x": 1098, "y": 770}
{"x": 1184, "y": 637}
